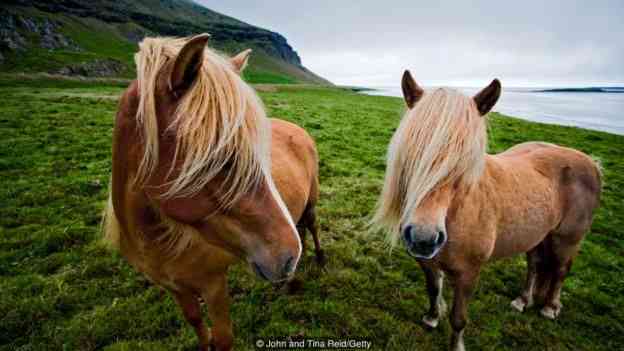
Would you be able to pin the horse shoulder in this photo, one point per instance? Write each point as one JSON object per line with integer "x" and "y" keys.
{"x": 521, "y": 200}
{"x": 472, "y": 220}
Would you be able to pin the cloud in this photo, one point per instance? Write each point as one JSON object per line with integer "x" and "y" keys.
{"x": 372, "y": 42}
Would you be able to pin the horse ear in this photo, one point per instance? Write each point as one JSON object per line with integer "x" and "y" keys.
{"x": 240, "y": 61}
{"x": 486, "y": 98}
{"x": 411, "y": 91}
{"x": 187, "y": 63}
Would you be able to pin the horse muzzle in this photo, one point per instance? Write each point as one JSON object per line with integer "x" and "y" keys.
{"x": 283, "y": 270}
{"x": 422, "y": 242}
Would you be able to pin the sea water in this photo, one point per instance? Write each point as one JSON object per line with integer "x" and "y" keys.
{"x": 595, "y": 108}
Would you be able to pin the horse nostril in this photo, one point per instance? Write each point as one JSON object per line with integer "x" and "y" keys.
{"x": 407, "y": 234}
{"x": 441, "y": 238}
{"x": 259, "y": 271}
{"x": 289, "y": 265}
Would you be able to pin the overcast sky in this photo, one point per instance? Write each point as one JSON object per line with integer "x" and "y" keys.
{"x": 524, "y": 43}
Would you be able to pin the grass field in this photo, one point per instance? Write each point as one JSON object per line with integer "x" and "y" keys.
{"x": 60, "y": 289}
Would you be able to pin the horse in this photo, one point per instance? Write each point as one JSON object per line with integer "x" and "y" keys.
{"x": 202, "y": 179}
{"x": 456, "y": 207}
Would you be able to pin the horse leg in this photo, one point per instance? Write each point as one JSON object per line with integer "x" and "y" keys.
{"x": 565, "y": 243}
{"x": 312, "y": 225}
{"x": 465, "y": 283}
{"x": 217, "y": 300}
{"x": 525, "y": 300}
{"x": 544, "y": 270}
{"x": 192, "y": 313}
{"x": 437, "y": 307}
{"x": 562, "y": 262}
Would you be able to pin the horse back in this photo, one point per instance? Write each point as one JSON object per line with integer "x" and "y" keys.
{"x": 564, "y": 165}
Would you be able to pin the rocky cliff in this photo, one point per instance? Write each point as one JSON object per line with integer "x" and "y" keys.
{"x": 59, "y": 32}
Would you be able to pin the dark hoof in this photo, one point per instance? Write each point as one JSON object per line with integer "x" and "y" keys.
{"x": 320, "y": 258}
{"x": 279, "y": 285}
{"x": 294, "y": 286}
{"x": 213, "y": 347}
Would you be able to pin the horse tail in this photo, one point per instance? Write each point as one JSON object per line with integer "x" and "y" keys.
{"x": 595, "y": 178}
{"x": 110, "y": 224}
{"x": 598, "y": 168}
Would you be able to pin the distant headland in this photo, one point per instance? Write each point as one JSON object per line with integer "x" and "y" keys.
{"x": 582, "y": 90}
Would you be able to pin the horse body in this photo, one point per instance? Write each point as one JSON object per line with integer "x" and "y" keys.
{"x": 186, "y": 242}
{"x": 553, "y": 180}
{"x": 295, "y": 166}
{"x": 535, "y": 197}
{"x": 295, "y": 172}
{"x": 525, "y": 194}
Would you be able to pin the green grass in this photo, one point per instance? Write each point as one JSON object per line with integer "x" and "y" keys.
{"x": 60, "y": 289}
{"x": 263, "y": 77}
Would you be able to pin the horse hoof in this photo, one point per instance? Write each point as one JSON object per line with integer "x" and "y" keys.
{"x": 294, "y": 286}
{"x": 550, "y": 312}
{"x": 518, "y": 304}
{"x": 213, "y": 346}
{"x": 431, "y": 322}
{"x": 320, "y": 258}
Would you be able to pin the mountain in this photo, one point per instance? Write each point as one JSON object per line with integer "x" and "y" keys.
{"x": 99, "y": 38}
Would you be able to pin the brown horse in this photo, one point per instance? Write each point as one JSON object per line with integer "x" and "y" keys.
{"x": 201, "y": 179}
{"x": 457, "y": 207}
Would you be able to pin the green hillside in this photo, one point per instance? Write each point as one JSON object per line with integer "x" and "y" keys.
{"x": 99, "y": 38}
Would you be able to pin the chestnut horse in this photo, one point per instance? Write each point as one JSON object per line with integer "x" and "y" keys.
{"x": 456, "y": 207}
{"x": 201, "y": 179}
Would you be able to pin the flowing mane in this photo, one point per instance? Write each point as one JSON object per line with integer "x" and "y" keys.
{"x": 219, "y": 124}
{"x": 442, "y": 139}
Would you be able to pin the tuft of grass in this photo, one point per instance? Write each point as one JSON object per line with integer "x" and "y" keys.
{"x": 62, "y": 290}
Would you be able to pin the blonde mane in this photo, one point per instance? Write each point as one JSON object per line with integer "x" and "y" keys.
{"x": 441, "y": 140}
{"x": 219, "y": 125}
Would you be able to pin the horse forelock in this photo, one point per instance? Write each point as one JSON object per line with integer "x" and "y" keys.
{"x": 220, "y": 126}
{"x": 441, "y": 140}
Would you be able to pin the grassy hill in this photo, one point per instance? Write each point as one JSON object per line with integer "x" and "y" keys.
{"x": 98, "y": 38}
{"x": 63, "y": 290}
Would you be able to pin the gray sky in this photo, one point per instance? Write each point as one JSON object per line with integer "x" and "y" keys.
{"x": 524, "y": 43}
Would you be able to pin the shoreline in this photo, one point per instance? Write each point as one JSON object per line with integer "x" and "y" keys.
{"x": 587, "y": 109}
